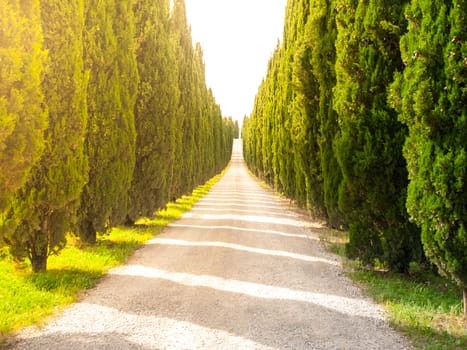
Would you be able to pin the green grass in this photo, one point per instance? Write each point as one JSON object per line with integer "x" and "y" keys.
{"x": 426, "y": 308}
{"x": 27, "y": 299}
{"x": 335, "y": 240}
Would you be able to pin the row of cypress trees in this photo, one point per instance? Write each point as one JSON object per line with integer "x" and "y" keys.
{"x": 104, "y": 117}
{"x": 362, "y": 119}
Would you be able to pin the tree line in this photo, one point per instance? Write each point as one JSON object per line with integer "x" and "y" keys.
{"x": 105, "y": 116}
{"x": 362, "y": 119}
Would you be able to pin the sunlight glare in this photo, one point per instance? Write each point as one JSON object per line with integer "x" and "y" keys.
{"x": 278, "y": 253}
{"x": 252, "y": 230}
{"x": 102, "y": 320}
{"x": 238, "y": 38}
{"x": 343, "y": 305}
{"x": 248, "y": 218}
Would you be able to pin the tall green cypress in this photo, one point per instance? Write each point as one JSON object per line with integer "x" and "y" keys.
{"x": 369, "y": 146}
{"x": 236, "y": 129}
{"x": 431, "y": 96}
{"x": 184, "y": 170}
{"x": 199, "y": 100}
{"x": 211, "y": 131}
{"x": 284, "y": 126}
{"x": 155, "y": 110}
{"x": 305, "y": 119}
{"x": 51, "y": 195}
{"x": 23, "y": 117}
{"x": 264, "y": 118}
{"x": 283, "y": 147}
{"x": 321, "y": 32}
{"x": 253, "y": 137}
{"x": 111, "y": 136}
{"x": 183, "y": 52}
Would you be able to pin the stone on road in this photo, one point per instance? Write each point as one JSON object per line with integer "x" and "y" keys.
{"x": 239, "y": 271}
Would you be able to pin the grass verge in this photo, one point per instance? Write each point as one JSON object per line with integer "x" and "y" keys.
{"x": 426, "y": 308}
{"x": 27, "y": 299}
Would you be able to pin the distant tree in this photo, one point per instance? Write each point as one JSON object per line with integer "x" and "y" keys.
{"x": 199, "y": 116}
{"x": 265, "y": 122}
{"x": 431, "y": 96}
{"x": 252, "y": 137}
{"x": 23, "y": 116}
{"x": 236, "y": 130}
{"x": 181, "y": 138}
{"x": 51, "y": 195}
{"x": 109, "y": 51}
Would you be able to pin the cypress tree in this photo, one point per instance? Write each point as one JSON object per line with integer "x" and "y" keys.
{"x": 189, "y": 147}
{"x": 183, "y": 163}
{"x": 23, "y": 117}
{"x": 284, "y": 162}
{"x": 321, "y": 32}
{"x": 236, "y": 130}
{"x": 267, "y": 121}
{"x": 155, "y": 110}
{"x": 305, "y": 104}
{"x": 199, "y": 102}
{"x": 212, "y": 131}
{"x": 111, "y": 136}
{"x": 254, "y": 138}
{"x": 369, "y": 146}
{"x": 431, "y": 95}
{"x": 51, "y": 195}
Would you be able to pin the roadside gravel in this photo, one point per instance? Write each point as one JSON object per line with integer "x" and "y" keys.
{"x": 240, "y": 271}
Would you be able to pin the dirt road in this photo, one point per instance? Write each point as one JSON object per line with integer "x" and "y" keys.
{"x": 240, "y": 271}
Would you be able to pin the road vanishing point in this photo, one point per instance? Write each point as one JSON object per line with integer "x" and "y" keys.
{"x": 242, "y": 270}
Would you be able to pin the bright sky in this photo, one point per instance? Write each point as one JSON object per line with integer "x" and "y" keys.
{"x": 238, "y": 38}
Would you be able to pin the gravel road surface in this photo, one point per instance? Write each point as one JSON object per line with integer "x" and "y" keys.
{"x": 240, "y": 271}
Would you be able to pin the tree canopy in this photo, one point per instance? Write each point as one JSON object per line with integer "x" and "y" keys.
{"x": 361, "y": 119}
{"x": 23, "y": 116}
{"x": 105, "y": 117}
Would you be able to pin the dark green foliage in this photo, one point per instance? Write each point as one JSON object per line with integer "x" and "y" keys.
{"x": 322, "y": 32}
{"x": 369, "y": 146}
{"x": 110, "y": 140}
{"x": 23, "y": 117}
{"x": 303, "y": 111}
{"x": 47, "y": 204}
{"x": 431, "y": 96}
{"x": 156, "y": 107}
{"x": 322, "y": 130}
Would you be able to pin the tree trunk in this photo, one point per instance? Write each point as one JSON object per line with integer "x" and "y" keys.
{"x": 38, "y": 262}
{"x": 465, "y": 303}
{"x": 88, "y": 233}
{"x": 129, "y": 222}
{"x": 39, "y": 250}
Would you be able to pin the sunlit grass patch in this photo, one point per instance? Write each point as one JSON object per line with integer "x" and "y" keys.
{"x": 21, "y": 301}
{"x": 175, "y": 210}
{"x": 425, "y": 307}
{"x": 335, "y": 240}
{"x": 27, "y": 298}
